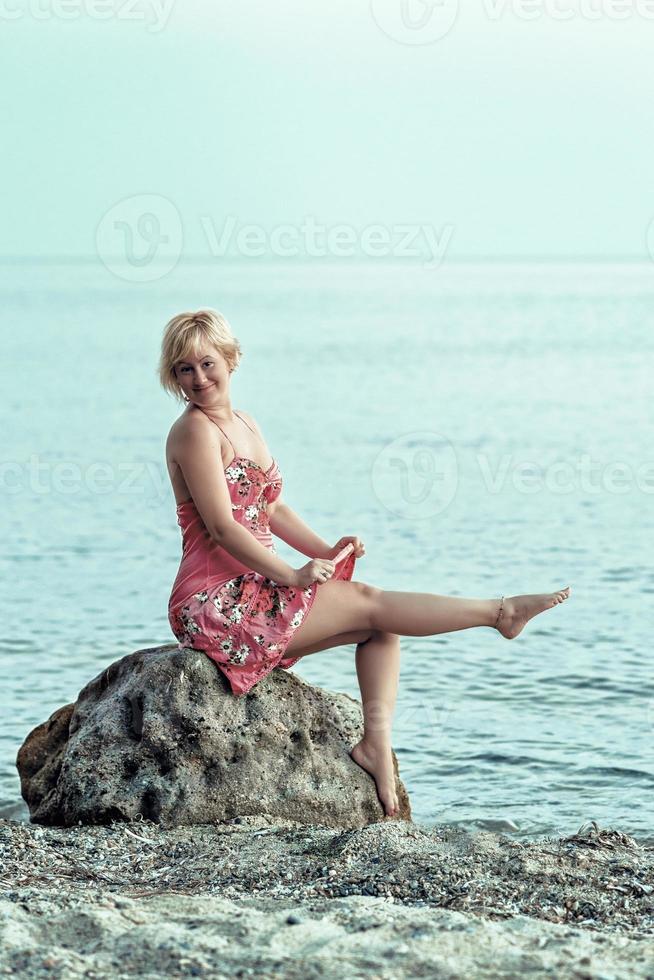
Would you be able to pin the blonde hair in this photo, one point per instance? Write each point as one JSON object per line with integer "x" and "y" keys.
{"x": 186, "y": 334}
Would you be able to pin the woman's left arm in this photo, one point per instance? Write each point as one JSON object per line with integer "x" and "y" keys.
{"x": 285, "y": 524}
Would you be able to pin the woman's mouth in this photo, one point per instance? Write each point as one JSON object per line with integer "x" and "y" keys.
{"x": 206, "y": 387}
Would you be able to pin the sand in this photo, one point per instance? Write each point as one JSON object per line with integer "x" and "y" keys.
{"x": 252, "y": 899}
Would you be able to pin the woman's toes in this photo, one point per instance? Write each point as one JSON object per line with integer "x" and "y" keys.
{"x": 380, "y": 767}
{"x": 391, "y": 806}
{"x": 518, "y": 610}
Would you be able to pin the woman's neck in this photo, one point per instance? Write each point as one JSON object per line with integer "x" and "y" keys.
{"x": 215, "y": 413}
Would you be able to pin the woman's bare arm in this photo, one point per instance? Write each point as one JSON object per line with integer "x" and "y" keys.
{"x": 287, "y": 525}
{"x": 198, "y": 456}
{"x": 243, "y": 545}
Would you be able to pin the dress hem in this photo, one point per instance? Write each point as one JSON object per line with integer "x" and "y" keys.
{"x": 291, "y": 636}
{"x": 231, "y": 671}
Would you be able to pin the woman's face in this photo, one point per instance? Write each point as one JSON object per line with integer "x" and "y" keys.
{"x": 204, "y": 378}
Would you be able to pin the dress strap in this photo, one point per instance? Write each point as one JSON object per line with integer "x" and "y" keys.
{"x": 225, "y": 434}
{"x": 243, "y": 420}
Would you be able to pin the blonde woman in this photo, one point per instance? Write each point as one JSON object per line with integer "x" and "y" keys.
{"x": 248, "y": 609}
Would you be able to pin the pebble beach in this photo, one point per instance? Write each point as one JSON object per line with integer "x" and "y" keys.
{"x": 250, "y": 898}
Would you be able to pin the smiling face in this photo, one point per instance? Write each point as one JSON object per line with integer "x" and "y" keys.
{"x": 204, "y": 377}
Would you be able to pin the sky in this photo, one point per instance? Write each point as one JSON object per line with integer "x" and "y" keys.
{"x": 497, "y": 128}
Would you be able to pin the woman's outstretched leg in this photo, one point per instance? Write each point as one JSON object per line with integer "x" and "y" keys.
{"x": 343, "y": 607}
{"x": 378, "y": 671}
{"x": 425, "y": 614}
{"x": 347, "y": 612}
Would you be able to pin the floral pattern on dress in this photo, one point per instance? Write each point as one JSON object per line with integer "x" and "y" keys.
{"x": 245, "y": 477}
{"x": 245, "y": 623}
{"x": 216, "y": 614}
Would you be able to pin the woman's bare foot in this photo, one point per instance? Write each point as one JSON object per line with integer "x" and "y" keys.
{"x": 519, "y": 609}
{"x": 378, "y": 762}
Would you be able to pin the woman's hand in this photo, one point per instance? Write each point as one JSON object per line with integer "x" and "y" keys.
{"x": 321, "y": 569}
{"x": 316, "y": 570}
{"x": 357, "y": 543}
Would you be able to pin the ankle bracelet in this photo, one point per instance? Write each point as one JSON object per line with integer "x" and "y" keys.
{"x": 499, "y": 615}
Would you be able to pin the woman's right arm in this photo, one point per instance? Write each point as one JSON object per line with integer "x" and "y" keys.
{"x": 199, "y": 456}
{"x": 238, "y": 541}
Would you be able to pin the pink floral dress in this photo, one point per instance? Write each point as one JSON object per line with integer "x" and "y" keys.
{"x": 242, "y": 620}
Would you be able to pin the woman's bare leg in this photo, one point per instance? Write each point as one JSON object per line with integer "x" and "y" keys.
{"x": 378, "y": 671}
{"x": 424, "y": 614}
{"x": 341, "y": 607}
{"x": 345, "y": 612}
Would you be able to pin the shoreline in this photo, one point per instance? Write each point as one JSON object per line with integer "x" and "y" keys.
{"x": 253, "y": 896}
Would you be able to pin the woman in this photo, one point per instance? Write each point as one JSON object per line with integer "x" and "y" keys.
{"x": 245, "y": 607}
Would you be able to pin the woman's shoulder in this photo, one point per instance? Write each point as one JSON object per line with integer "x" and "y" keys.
{"x": 193, "y": 417}
{"x": 249, "y": 418}
{"x": 183, "y": 425}
{"x": 179, "y": 423}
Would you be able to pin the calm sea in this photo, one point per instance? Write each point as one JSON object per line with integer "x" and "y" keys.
{"x": 485, "y": 429}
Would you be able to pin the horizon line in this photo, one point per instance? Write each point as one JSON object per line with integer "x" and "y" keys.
{"x": 88, "y": 259}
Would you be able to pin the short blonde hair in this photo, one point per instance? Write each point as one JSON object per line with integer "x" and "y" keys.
{"x": 186, "y": 334}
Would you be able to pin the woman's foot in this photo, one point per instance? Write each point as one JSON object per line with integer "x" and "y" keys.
{"x": 378, "y": 762}
{"x": 519, "y": 609}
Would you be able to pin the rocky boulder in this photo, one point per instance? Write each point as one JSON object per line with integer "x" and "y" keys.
{"x": 159, "y": 734}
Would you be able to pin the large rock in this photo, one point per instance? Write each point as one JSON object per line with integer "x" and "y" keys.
{"x": 160, "y": 734}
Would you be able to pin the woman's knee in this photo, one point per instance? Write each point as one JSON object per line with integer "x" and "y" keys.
{"x": 369, "y": 599}
{"x": 338, "y": 608}
{"x": 383, "y": 636}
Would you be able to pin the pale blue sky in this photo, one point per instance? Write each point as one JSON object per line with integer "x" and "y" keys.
{"x": 523, "y": 137}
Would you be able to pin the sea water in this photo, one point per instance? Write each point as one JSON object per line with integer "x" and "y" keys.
{"x": 485, "y": 429}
